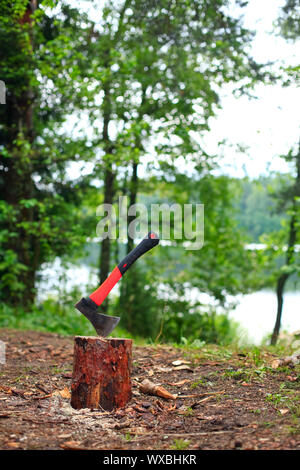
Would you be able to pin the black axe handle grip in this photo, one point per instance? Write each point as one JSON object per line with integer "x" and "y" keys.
{"x": 150, "y": 241}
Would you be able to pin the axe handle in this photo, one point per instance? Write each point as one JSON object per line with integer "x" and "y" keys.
{"x": 102, "y": 292}
{"x": 150, "y": 241}
{"x": 99, "y": 295}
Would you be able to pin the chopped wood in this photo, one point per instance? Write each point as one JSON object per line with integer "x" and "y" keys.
{"x": 286, "y": 361}
{"x": 150, "y": 388}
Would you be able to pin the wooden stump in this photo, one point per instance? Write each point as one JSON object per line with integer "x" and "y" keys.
{"x": 101, "y": 372}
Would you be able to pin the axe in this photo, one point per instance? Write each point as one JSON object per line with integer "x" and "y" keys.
{"x": 104, "y": 324}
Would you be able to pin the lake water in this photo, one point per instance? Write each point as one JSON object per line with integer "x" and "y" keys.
{"x": 256, "y": 312}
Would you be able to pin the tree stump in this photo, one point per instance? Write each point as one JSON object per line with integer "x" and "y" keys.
{"x": 101, "y": 372}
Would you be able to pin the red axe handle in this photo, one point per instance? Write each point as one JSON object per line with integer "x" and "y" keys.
{"x": 100, "y": 294}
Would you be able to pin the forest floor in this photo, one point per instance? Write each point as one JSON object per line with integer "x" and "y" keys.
{"x": 225, "y": 399}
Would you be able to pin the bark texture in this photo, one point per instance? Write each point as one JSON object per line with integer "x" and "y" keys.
{"x": 101, "y": 372}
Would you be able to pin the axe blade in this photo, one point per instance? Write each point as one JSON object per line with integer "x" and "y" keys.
{"x": 103, "y": 324}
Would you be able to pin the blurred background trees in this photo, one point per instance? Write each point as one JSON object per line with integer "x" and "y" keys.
{"x": 40, "y": 219}
{"x": 117, "y": 101}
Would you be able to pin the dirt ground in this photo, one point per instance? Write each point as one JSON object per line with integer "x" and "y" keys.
{"x": 224, "y": 400}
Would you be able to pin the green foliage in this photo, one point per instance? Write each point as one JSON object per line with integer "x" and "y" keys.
{"x": 184, "y": 324}
{"x": 180, "y": 444}
{"x": 222, "y": 266}
{"x": 256, "y": 208}
{"x": 51, "y": 316}
{"x": 164, "y": 312}
{"x": 156, "y": 295}
{"x": 281, "y": 253}
{"x": 149, "y": 76}
{"x": 40, "y": 216}
{"x": 138, "y": 305}
{"x": 289, "y": 19}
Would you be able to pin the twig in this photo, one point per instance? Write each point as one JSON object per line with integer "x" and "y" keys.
{"x": 180, "y": 435}
{"x": 41, "y": 388}
{"x": 201, "y": 394}
{"x": 43, "y": 397}
{"x": 160, "y": 329}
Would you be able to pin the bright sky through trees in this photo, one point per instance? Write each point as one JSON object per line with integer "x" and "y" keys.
{"x": 269, "y": 125}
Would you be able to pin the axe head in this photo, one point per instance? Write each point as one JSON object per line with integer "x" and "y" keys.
{"x": 103, "y": 324}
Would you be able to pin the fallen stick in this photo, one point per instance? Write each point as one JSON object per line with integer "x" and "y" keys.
{"x": 179, "y": 435}
{"x": 42, "y": 397}
{"x": 204, "y": 394}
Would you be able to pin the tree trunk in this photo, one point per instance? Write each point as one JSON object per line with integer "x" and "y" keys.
{"x": 290, "y": 253}
{"x": 284, "y": 277}
{"x": 101, "y": 373}
{"x": 109, "y": 177}
{"x": 134, "y": 177}
{"x": 105, "y": 244}
{"x": 109, "y": 191}
{"x": 17, "y": 180}
{"x": 279, "y": 292}
{"x": 132, "y": 201}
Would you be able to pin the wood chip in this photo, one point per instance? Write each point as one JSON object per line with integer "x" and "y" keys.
{"x": 71, "y": 445}
{"x": 13, "y": 445}
{"x": 5, "y": 389}
{"x": 180, "y": 362}
{"x": 64, "y": 393}
{"x": 291, "y": 378}
{"x": 183, "y": 367}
